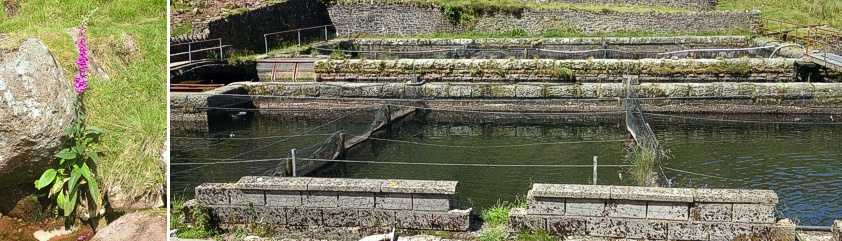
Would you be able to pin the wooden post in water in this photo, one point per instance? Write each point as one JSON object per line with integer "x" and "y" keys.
{"x": 388, "y": 114}
{"x": 594, "y": 170}
{"x": 294, "y": 174}
{"x": 341, "y": 145}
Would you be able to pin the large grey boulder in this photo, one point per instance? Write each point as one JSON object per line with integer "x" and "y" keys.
{"x": 37, "y": 104}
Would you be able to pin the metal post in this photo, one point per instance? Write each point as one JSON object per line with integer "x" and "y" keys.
{"x": 295, "y": 72}
{"x": 266, "y": 44}
{"x": 325, "y": 32}
{"x": 220, "y": 48}
{"x": 274, "y": 68}
{"x": 341, "y": 144}
{"x": 299, "y": 37}
{"x": 594, "y": 168}
{"x": 294, "y": 174}
{"x": 189, "y": 52}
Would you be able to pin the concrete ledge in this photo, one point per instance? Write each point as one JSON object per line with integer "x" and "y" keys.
{"x": 274, "y": 183}
{"x": 735, "y": 196}
{"x": 571, "y": 191}
{"x": 419, "y": 186}
{"x": 652, "y": 194}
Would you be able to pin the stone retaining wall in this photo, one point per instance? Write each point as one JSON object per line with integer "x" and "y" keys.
{"x": 352, "y": 19}
{"x": 686, "y": 4}
{"x": 334, "y": 202}
{"x": 652, "y": 213}
{"x": 549, "y": 70}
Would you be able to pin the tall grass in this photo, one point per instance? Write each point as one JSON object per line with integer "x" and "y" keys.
{"x": 794, "y": 11}
{"x": 131, "y": 105}
{"x": 643, "y": 164}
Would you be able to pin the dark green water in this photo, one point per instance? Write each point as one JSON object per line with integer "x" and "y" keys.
{"x": 801, "y": 161}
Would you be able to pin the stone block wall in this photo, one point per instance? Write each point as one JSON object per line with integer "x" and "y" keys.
{"x": 700, "y": 5}
{"x": 334, "y": 202}
{"x": 651, "y": 213}
{"x": 549, "y": 70}
{"x": 352, "y": 19}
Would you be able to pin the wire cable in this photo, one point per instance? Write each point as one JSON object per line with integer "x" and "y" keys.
{"x": 745, "y": 121}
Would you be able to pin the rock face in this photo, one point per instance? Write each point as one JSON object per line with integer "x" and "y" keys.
{"x": 136, "y": 226}
{"x": 36, "y": 107}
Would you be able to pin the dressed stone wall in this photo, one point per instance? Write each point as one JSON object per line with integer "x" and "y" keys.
{"x": 352, "y": 19}
{"x": 652, "y": 213}
{"x": 686, "y": 4}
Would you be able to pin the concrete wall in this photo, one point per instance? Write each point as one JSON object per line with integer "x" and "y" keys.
{"x": 652, "y": 213}
{"x": 686, "y": 4}
{"x": 353, "y": 19}
{"x": 334, "y": 202}
{"x": 548, "y": 70}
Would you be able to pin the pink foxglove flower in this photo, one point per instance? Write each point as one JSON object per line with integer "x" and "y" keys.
{"x": 81, "y": 80}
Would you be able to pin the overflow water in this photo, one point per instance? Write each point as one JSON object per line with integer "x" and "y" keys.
{"x": 499, "y": 158}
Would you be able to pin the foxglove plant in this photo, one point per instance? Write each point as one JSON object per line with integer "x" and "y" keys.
{"x": 77, "y": 162}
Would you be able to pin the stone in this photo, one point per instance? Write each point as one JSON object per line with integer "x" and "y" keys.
{"x": 231, "y": 214}
{"x": 659, "y": 194}
{"x": 754, "y": 213}
{"x": 647, "y": 229}
{"x": 247, "y": 197}
{"x": 340, "y": 217}
{"x": 548, "y": 206}
{"x": 140, "y": 226}
{"x": 571, "y": 191}
{"x": 283, "y": 198}
{"x": 394, "y": 201}
{"x": 344, "y": 185}
{"x": 607, "y": 227}
{"x": 413, "y": 220}
{"x": 214, "y": 193}
{"x": 520, "y": 220}
{"x": 376, "y": 218}
{"x": 728, "y": 231}
{"x": 734, "y": 196}
{"x": 431, "y": 202}
{"x": 783, "y": 230}
{"x": 452, "y": 220}
{"x": 356, "y": 200}
{"x": 625, "y": 209}
{"x": 687, "y": 231}
{"x": 273, "y": 183}
{"x": 715, "y": 212}
{"x": 586, "y": 207}
{"x": 270, "y": 215}
{"x": 304, "y": 217}
{"x": 836, "y": 229}
{"x": 567, "y": 226}
{"x": 419, "y": 186}
{"x": 668, "y": 211}
{"x": 320, "y": 199}
{"x": 37, "y": 104}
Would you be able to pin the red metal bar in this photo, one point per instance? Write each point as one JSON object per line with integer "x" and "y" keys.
{"x": 295, "y": 72}
{"x": 274, "y": 67}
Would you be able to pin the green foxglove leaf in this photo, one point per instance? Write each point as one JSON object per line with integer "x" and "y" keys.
{"x": 60, "y": 200}
{"x": 92, "y": 186}
{"x": 94, "y": 157}
{"x": 74, "y": 180}
{"x": 94, "y": 129}
{"x": 46, "y": 178}
{"x": 59, "y": 185}
{"x": 66, "y": 154}
{"x": 71, "y": 202}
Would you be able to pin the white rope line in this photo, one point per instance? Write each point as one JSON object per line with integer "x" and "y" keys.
{"x": 714, "y": 50}
{"x": 244, "y": 138}
{"x": 513, "y": 113}
{"x": 458, "y": 164}
{"x": 699, "y": 174}
{"x": 498, "y": 146}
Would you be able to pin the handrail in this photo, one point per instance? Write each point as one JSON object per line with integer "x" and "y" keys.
{"x": 295, "y": 63}
{"x": 266, "y": 40}
{"x": 190, "y": 48}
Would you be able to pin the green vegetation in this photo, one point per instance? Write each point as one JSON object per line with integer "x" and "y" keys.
{"x": 496, "y": 219}
{"x": 537, "y": 235}
{"x": 492, "y": 235}
{"x": 202, "y": 223}
{"x": 130, "y": 105}
{"x": 805, "y": 12}
{"x": 643, "y": 161}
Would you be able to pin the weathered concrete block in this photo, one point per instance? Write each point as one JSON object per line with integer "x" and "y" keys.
{"x": 393, "y": 90}
{"x": 414, "y": 91}
{"x": 728, "y": 231}
{"x": 687, "y": 231}
{"x": 668, "y": 211}
{"x": 711, "y": 212}
{"x": 571, "y": 191}
{"x": 355, "y": 200}
{"x": 646, "y": 229}
{"x": 248, "y": 197}
{"x": 304, "y": 217}
{"x": 607, "y": 227}
{"x": 419, "y": 186}
{"x": 529, "y": 90}
{"x": 435, "y": 90}
{"x": 734, "y": 196}
{"x": 344, "y": 185}
{"x": 503, "y": 91}
{"x": 273, "y": 183}
{"x": 519, "y": 220}
{"x": 625, "y": 209}
{"x": 231, "y": 214}
{"x": 376, "y": 218}
{"x": 837, "y": 230}
{"x": 567, "y": 226}
{"x": 560, "y": 90}
{"x": 413, "y": 220}
{"x": 431, "y": 202}
{"x": 547, "y": 206}
{"x": 452, "y": 220}
{"x": 213, "y": 193}
{"x": 783, "y": 230}
{"x": 309, "y": 89}
{"x": 658, "y": 194}
{"x": 457, "y": 91}
{"x": 270, "y": 215}
{"x": 283, "y": 198}
{"x": 331, "y": 90}
{"x": 586, "y": 207}
{"x": 320, "y": 199}
{"x": 395, "y": 201}
{"x": 754, "y": 213}
{"x": 340, "y": 217}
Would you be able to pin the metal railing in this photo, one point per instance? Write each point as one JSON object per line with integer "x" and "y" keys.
{"x": 295, "y": 63}
{"x": 298, "y": 31}
{"x": 190, "y": 49}
{"x": 809, "y": 34}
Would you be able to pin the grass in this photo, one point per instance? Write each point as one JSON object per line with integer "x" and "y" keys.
{"x": 202, "y": 226}
{"x": 794, "y": 11}
{"x": 643, "y": 163}
{"x": 537, "y": 235}
{"x": 131, "y": 105}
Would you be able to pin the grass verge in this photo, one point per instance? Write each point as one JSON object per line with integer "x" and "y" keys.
{"x": 131, "y": 104}
{"x": 202, "y": 226}
{"x": 643, "y": 164}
